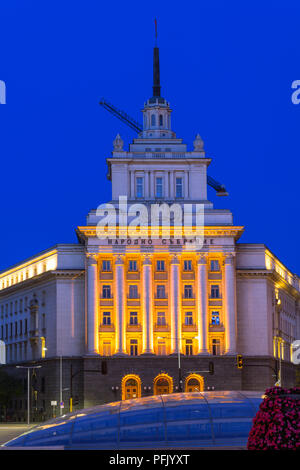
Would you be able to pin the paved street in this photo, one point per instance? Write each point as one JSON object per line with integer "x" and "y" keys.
{"x": 9, "y": 431}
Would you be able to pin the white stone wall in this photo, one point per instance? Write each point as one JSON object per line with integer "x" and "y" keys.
{"x": 252, "y": 317}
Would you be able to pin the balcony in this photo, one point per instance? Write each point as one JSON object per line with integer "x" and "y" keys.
{"x": 188, "y": 275}
{"x": 193, "y": 328}
{"x": 106, "y": 328}
{"x": 106, "y": 275}
{"x": 137, "y": 327}
{"x": 160, "y": 276}
{"x": 158, "y": 327}
{"x": 133, "y": 276}
{"x": 216, "y": 328}
{"x": 106, "y": 301}
{"x": 188, "y": 301}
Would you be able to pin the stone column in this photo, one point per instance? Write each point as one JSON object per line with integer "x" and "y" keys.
{"x": 147, "y": 306}
{"x": 172, "y": 189}
{"x": 174, "y": 301}
{"x": 202, "y": 302}
{"x": 119, "y": 300}
{"x": 92, "y": 305}
{"x": 166, "y": 176}
{"x": 147, "y": 191}
{"x": 152, "y": 182}
{"x": 132, "y": 184}
{"x": 230, "y": 306}
{"x": 186, "y": 184}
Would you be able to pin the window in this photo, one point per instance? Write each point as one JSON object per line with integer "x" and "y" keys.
{"x": 188, "y": 318}
{"x": 161, "y": 120}
{"x": 161, "y": 348}
{"x": 106, "y": 318}
{"x": 189, "y": 347}
{"x": 188, "y": 292}
{"x": 133, "y": 318}
{"x": 215, "y": 292}
{"x": 158, "y": 187}
{"x": 106, "y": 348}
{"x": 179, "y": 189}
{"x": 215, "y": 318}
{"x": 133, "y": 292}
{"x": 132, "y": 265}
{"x": 153, "y": 120}
{"x": 216, "y": 347}
{"x": 160, "y": 265}
{"x": 133, "y": 347}
{"x": 16, "y": 328}
{"x": 106, "y": 265}
{"x": 139, "y": 186}
{"x": 106, "y": 292}
{"x": 161, "y": 318}
{"x": 25, "y": 327}
{"x": 160, "y": 292}
{"x": 187, "y": 265}
{"x": 214, "y": 265}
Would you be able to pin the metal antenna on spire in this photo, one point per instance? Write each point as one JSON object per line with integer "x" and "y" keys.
{"x": 156, "y": 74}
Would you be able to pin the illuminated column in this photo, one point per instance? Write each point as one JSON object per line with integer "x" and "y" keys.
{"x": 230, "y": 306}
{"x": 92, "y": 305}
{"x": 202, "y": 300}
{"x": 119, "y": 299}
{"x": 174, "y": 303}
{"x": 147, "y": 307}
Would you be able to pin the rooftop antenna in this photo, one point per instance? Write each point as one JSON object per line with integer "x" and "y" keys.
{"x": 156, "y": 74}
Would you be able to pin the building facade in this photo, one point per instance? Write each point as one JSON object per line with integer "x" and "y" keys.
{"x": 150, "y": 300}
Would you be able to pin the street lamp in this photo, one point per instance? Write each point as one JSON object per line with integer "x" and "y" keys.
{"x": 28, "y": 387}
{"x": 178, "y": 354}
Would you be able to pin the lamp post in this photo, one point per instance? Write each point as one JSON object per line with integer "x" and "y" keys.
{"x": 28, "y": 387}
{"x": 179, "y": 359}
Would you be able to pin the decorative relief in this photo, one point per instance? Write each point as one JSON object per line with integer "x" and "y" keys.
{"x": 119, "y": 259}
{"x": 198, "y": 144}
{"x": 118, "y": 144}
{"x": 229, "y": 259}
{"x": 91, "y": 259}
{"x": 146, "y": 260}
{"x": 202, "y": 259}
{"x": 175, "y": 260}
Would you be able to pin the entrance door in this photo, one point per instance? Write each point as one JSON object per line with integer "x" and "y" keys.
{"x": 193, "y": 385}
{"x": 162, "y": 387}
{"x": 131, "y": 389}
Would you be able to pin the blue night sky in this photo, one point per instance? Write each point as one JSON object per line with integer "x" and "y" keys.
{"x": 226, "y": 68}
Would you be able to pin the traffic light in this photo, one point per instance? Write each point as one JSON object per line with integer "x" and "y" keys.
{"x": 211, "y": 368}
{"x": 239, "y": 361}
{"x": 103, "y": 367}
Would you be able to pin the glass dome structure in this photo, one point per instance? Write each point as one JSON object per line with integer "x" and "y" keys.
{"x": 179, "y": 420}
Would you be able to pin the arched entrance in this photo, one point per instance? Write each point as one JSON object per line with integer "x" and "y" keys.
{"x": 194, "y": 383}
{"x": 131, "y": 387}
{"x": 163, "y": 384}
